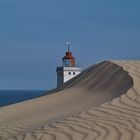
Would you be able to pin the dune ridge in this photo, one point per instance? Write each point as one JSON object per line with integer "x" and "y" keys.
{"x": 102, "y": 103}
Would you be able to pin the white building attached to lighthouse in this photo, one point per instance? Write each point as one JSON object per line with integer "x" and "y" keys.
{"x": 68, "y": 70}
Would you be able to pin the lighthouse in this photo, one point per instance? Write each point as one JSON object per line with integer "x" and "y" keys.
{"x": 69, "y": 68}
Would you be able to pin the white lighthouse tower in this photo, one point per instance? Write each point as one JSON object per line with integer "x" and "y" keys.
{"x": 68, "y": 70}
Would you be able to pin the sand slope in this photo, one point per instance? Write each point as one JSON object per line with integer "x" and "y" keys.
{"x": 102, "y": 103}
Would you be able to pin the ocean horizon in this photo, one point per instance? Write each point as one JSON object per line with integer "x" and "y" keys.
{"x": 8, "y": 97}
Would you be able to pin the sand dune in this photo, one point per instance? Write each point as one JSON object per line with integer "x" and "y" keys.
{"x": 102, "y": 103}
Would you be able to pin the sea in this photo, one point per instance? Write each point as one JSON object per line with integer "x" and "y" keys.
{"x": 8, "y": 97}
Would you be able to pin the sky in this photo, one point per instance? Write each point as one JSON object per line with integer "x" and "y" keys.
{"x": 33, "y": 34}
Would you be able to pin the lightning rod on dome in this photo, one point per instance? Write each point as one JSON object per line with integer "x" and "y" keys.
{"x": 68, "y": 45}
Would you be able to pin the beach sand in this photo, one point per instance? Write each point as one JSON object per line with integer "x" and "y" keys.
{"x": 102, "y": 103}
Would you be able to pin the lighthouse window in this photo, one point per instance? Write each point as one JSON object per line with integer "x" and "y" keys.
{"x": 67, "y": 63}
{"x": 73, "y": 73}
{"x": 69, "y": 73}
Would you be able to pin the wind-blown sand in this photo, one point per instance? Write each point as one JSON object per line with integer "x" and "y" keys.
{"x": 102, "y": 103}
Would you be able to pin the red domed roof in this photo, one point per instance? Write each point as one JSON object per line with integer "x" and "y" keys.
{"x": 68, "y": 55}
{"x": 68, "y": 59}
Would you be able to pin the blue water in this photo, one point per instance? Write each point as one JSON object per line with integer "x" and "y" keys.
{"x": 14, "y": 96}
